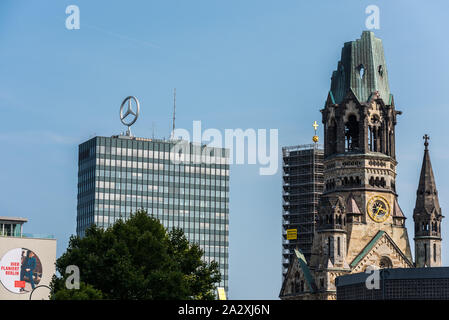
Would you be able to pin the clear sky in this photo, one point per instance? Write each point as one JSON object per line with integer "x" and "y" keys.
{"x": 235, "y": 64}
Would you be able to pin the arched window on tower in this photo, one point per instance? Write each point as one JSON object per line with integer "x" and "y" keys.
{"x": 374, "y": 134}
{"x": 434, "y": 252}
{"x": 377, "y": 182}
{"x": 296, "y": 284}
{"x": 425, "y": 254}
{"x": 352, "y": 133}
{"x": 332, "y": 136}
{"x": 338, "y": 246}
{"x": 390, "y": 143}
{"x": 361, "y": 70}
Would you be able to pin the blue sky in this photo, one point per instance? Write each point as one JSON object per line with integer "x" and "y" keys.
{"x": 235, "y": 64}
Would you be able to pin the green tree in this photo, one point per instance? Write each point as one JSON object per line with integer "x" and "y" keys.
{"x": 137, "y": 259}
{"x": 85, "y": 292}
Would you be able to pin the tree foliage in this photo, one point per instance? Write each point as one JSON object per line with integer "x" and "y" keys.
{"x": 136, "y": 259}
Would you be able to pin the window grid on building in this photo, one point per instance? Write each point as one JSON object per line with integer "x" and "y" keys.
{"x": 118, "y": 176}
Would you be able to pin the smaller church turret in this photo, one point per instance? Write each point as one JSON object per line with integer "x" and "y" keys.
{"x": 332, "y": 228}
{"x": 427, "y": 216}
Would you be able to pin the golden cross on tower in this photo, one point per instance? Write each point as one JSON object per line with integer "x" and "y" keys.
{"x": 315, "y": 137}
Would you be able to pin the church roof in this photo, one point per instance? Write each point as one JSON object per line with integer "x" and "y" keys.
{"x": 362, "y": 69}
{"x": 426, "y": 195}
{"x": 367, "y": 248}
{"x": 370, "y": 246}
{"x": 296, "y": 264}
{"x": 305, "y": 269}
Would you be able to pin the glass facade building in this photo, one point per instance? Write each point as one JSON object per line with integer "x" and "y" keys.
{"x": 120, "y": 174}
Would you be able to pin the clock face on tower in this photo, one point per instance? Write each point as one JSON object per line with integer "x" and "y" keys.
{"x": 378, "y": 208}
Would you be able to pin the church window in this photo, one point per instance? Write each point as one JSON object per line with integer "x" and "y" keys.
{"x": 385, "y": 262}
{"x": 434, "y": 252}
{"x": 329, "y": 246}
{"x": 352, "y": 133}
{"x": 332, "y": 129}
{"x": 296, "y": 283}
{"x": 338, "y": 246}
{"x": 374, "y": 134}
{"x": 380, "y": 69}
{"x": 361, "y": 70}
{"x": 377, "y": 182}
{"x": 425, "y": 253}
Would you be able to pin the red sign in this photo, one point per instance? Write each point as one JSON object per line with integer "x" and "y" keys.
{"x": 19, "y": 284}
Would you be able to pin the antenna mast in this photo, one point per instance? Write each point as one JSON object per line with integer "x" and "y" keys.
{"x": 174, "y": 113}
{"x": 153, "y": 130}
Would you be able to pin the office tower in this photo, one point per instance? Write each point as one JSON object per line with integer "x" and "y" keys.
{"x": 302, "y": 187}
{"x": 121, "y": 174}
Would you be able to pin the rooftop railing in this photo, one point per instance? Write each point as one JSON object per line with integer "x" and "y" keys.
{"x": 29, "y": 235}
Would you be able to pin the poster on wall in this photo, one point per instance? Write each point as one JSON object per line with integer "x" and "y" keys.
{"x": 20, "y": 270}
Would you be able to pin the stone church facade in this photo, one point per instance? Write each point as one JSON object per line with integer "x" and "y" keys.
{"x": 360, "y": 222}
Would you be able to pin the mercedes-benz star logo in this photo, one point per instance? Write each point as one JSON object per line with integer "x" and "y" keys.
{"x": 129, "y": 111}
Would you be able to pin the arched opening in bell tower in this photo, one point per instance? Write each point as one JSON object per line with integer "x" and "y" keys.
{"x": 351, "y": 133}
{"x": 332, "y": 136}
{"x": 375, "y": 135}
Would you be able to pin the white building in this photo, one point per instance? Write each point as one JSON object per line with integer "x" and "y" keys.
{"x": 27, "y": 261}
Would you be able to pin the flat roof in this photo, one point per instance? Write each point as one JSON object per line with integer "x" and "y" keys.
{"x": 13, "y": 219}
{"x": 396, "y": 274}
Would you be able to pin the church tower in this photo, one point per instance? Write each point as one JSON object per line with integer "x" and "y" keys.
{"x": 427, "y": 216}
{"x": 360, "y": 223}
{"x": 359, "y": 202}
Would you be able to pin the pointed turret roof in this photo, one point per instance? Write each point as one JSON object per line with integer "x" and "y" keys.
{"x": 397, "y": 211}
{"x": 362, "y": 69}
{"x": 351, "y": 205}
{"x": 427, "y": 194}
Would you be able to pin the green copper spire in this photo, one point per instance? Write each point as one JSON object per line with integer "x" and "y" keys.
{"x": 362, "y": 69}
